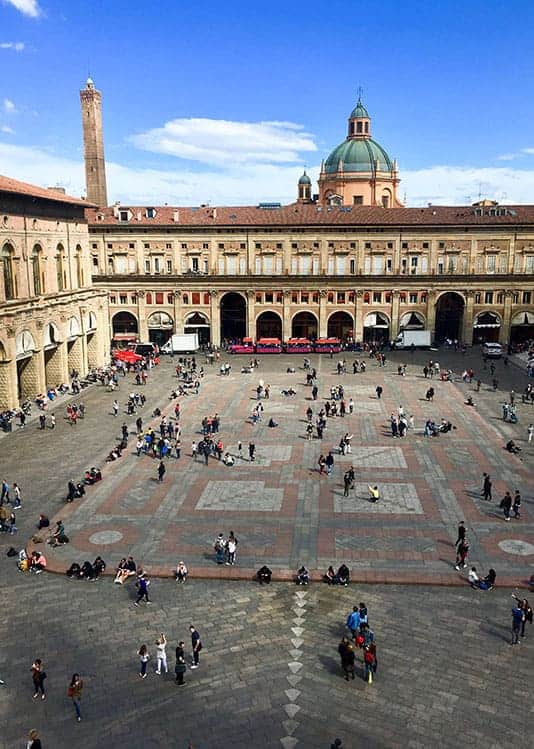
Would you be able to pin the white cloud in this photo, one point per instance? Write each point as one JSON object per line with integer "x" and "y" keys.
{"x": 26, "y": 7}
{"x": 224, "y": 142}
{"x": 16, "y": 46}
{"x": 507, "y": 157}
{"x": 248, "y": 184}
{"x": 9, "y": 106}
{"x": 6, "y": 129}
{"x": 529, "y": 151}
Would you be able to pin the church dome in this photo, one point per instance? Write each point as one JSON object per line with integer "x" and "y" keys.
{"x": 359, "y": 110}
{"x": 358, "y": 156}
{"x": 304, "y": 180}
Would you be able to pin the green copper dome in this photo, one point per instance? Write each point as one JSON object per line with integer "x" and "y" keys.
{"x": 304, "y": 180}
{"x": 358, "y": 155}
{"x": 359, "y": 110}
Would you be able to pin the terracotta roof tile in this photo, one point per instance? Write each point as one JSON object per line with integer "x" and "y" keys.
{"x": 7, "y": 184}
{"x": 306, "y": 215}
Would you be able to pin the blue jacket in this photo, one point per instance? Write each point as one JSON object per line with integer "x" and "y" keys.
{"x": 353, "y": 620}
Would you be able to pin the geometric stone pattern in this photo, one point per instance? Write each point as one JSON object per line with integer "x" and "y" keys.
{"x": 516, "y": 546}
{"x": 394, "y": 499}
{"x": 375, "y": 457}
{"x": 240, "y": 496}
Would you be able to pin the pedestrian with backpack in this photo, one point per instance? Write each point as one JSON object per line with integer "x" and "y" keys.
{"x": 142, "y": 589}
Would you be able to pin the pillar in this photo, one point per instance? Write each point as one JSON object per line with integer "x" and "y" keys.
{"x": 141, "y": 314}
{"x": 56, "y": 365}
{"x": 358, "y": 315}
{"x": 251, "y": 304}
{"x": 467, "y": 323}
{"x": 215, "y": 318}
{"x": 177, "y": 312}
{"x": 505, "y": 331}
{"x": 286, "y": 315}
{"x": 431, "y": 313}
{"x": 32, "y": 381}
{"x": 395, "y": 304}
{"x": 323, "y": 319}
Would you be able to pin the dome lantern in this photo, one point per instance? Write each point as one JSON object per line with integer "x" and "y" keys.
{"x": 359, "y": 122}
{"x": 304, "y": 189}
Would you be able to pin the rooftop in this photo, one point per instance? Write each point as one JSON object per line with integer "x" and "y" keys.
{"x": 13, "y": 186}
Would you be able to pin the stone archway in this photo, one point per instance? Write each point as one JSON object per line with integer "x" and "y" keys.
{"x": 486, "y": 327}
{"x": 7, "y": 398}
{"x": 160, "y": 327}
{"x": 197, "y": 322}
{"x": 125, "y": 325}
{"x": 522, "y": 327}
{"x": 376, "y": 328}
{"x": 233, "y": 317}
{"x": 340, "y": 325}
{"x": 269, "y": 325}
{"x": 28, "y": 370}
{"x": 449, "y": 316}
{"x": 54, "y": 356}
{"x": 304, "y": 325}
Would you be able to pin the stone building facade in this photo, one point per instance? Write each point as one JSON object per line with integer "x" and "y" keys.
{"x": 52, "y": 320}
{"x": 306, "y": 270}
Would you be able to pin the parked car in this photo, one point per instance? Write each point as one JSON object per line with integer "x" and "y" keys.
{"x": 492, "y": 350}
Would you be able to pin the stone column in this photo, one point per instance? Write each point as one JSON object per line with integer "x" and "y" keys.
{"x": 467, "y": 323}
{"x": 251, "y": 304}
{"x": 395, "y": 304}
{"x": 8, "y": 372}
{"x": 215, "y": 318}
{"x": 141, "y": 313}
{"x": 286, "y": 315}
{"x": 177, "y": 302}
{"x": 506, "y": 330}
{"x": 32, "y": 378}
{"x": 358, "y": 316}
{"x": 431, "y": 313}
{"x": 56, "y": 365}
{"x": 323, "y": 318}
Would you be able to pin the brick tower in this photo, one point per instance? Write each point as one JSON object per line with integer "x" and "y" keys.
{"x": 93, "y": 144}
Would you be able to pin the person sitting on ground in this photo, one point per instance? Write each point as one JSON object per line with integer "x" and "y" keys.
{"x": 59, "y": 537}
{"x": 272, "y": 423}
{"x": 330, "y": 576}
{"x": 86, "y": 572}
{"x": 127, "y": 568}
{"x": 74, "y": 571}
{"x": 37, "y": 562}
{"x": 511, "y": 447}
{"x": 303, "y": 576}
{"x": 80, "y": 489}
{"x": 71, "y": 491}
{"x": 473, "y": 578}
{"x": 181, "y": 572}
{"x": 445, "y": 426}
{"x": 343, "y": 575}
{"x": 469, "y": 401}
{"x": 228, "y": 459}
{"x": 44, "y": 522}
{"x": 264, "y": 575}
{"x": 93, "y": 475}
{"x": 289, "y": 392}
{"x": 489, "y": 581}
{"x": 374, "y": 493}
{"x": 23, "y": 562}
{"x": 99, "y": 567}
{"x": 290, "y": 370}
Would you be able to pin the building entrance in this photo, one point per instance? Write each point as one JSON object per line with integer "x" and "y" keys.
{"x": 449, "y": 316}
{"x": 233, "y": 317}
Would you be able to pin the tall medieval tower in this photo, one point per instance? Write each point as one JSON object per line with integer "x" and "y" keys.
{"x": 93, "y": 145}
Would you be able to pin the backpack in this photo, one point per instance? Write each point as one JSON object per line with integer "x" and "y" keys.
{"x": 11, "y": 552}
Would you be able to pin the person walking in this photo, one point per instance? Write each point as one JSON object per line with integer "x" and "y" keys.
{"x": 329, "y": 462}
{"x": 52, "y": 421}
{"x": 530, "y": 432}
{"x": 161, "y": 471}
{"x": 161, "y": 654}
{"x": 142, "y": 589}
{"x": 251, "y": 451}
{"x": 143, "y": 660}
{"x": 527, "y": 612}
{"x": 461, "y": 554}
{"x": 42, "y": 421}
{"x": 38, "y": 677}
{"x": 196, "y": 645}
{"x": 348, "y": 657}
{"x": 379, "y": 390}
{"x": 461, "y": 532}
{"x": 180, "y": 666}
{"x": 506, "y": 505}
{"x": 231, "y": 548}
{"x": 348, "y": 481}
{"x": 115, "y": 407}
{"x": 486, "y": 487}
{"x": 34, "y": 742}
{"x": 321, "y": 463}
{"x": 516, "y": 505}
{"x": 74, "y": 691}
{"x": 353, "y": 621}
{"x": 370, "y": 663}
{"x": 17, "y": 505}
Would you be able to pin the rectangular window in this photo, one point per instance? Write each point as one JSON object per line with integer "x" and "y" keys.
{"x": 413, "y": 297}
{"x": 330, "y": 297}
{"x": 304, "y": 297}
{"x": 242, "y": 246}
{"x": 367, "y": 266}
{"x": 357, "y": 199}
{"x": 205, "y": 246}
{"x": 206, "y": 297}
{"x": 341, "y": 266}
{"x": 147, "y": 246}
{"x": 368, "y": 245}
{"x": 123, "y": 215}
{"x": 259, "y": 298}
{"x": 168, "y": 246}
{"x": 185, "y": 298}
{"x": 221, "y": 245}
{"x": 352, "y": 266}
{"x": 294, "y": 266}
{"x": 147, "y": 266}
{"x": 113, "y": 299}
{"x": 315, "y": 266}
{"x": 488, "y": 297}
{"x": 294, "y": 297}
{"x": 170, "y": 298}
{"x": 278, "y": 264}
{"x": 389, "y": 265}
{"x": 184, "y": 245}
{"x": 159, "y": 297}
{"x": 231, "y": 265}
{"x": 330, "y": 266}
{"x": 341, "y": 297}
{"x": 529, "y": 263}
{"x": 195, "y": 297}
{"x": 377, "y": 297}
{"x": 279, "y": 298}
{"x": 258, "y": 245}
{"x": 424, "y": 264}
{"x": 279, "y": 245}
{"x": 194, "y": 264}
{"x": 242, "y": 266}
{"x": 258, "y": 266}
{"x": 500, "y": 298}
{"x": 527, "y": 296}
{"x": 268, "y": 297}
{"x": 478, "y": 297}
{"x": 479, "y": 264}
{"x": 378, "y": 265}
{"x": 305, "y": 263}
{"x": 156, "y": 265}
{"x": 440, "y": 265}
{"x": 503, "y": 264}
{"x": 221, "y": 266}
{"x": 184, "y": 265}
{"x": 268, "y": 265}
{"x": 491, "y": 263}
{"x": 169, "y": 266}
{"x": 123, "y": 298}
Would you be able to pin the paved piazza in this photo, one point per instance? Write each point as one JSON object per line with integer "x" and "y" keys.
{"x": 282, "y": 510}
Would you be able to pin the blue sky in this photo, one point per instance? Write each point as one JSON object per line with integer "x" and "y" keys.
{"x": 226, "y": 102}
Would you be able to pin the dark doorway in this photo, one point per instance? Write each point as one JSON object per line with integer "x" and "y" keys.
{"x": 340, "y": 325}
{"x": 304, "y": 325}
{"x": 197, "y": 323}
{"x": 449, "y": 317}
{"x": 233, "y": 317}
{"x": 124, "y": 322}
{"x": 269, "y": 325}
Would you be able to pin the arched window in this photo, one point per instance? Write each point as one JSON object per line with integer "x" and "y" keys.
{"x": 37, "y": 271}
{"x": 10, "y": 282}
{"x": 60, "y": 275}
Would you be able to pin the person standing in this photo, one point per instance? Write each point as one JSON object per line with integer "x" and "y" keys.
{"x": 353, "y": 621}
{"x": 506, "y": 505}
{"x": 142, "y": 589}
{"x": 74, "y": 691}
{"x": 530, "y": 432}
{"x": 143, "y": 660}
{"x": 231, "y": 548}
{"x": 161, "y": 471}
{"x": 38, "y": 677}
{"x": 527, "y": 612}
{"x": 461, "y": 554}
{"x": 486, "y": 487}
{"x": 42, "y": 421}
{"x": 196, "y": 645}
{"x": 180, "y": 667}
{"x": 251, "y": 451}
{"x": 329, "y": 462}
{"x": 240, "y": 449}
{"x": 34, "y": 742}
{"x": 517, "y": 621}
{"x": 346, "y": 651}
{"x": 115, "y": 407}
{"x": 370, "y": 663}
{"x": 18, "y": 503}
{"x": 161, "y": 654}
{"x": 379, "y": 390}
{"x": 52, "y": 421}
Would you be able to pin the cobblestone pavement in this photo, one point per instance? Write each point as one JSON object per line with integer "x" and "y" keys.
{"x": 282, "y": 511}
{"x": 269, "y": 674}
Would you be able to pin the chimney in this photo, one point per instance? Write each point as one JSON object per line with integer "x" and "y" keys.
{"x": 59, "y": 190}
{"x": 139, "y": 215}
{"x": 214, "y": 213}
{"x": 176, "y": 216}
